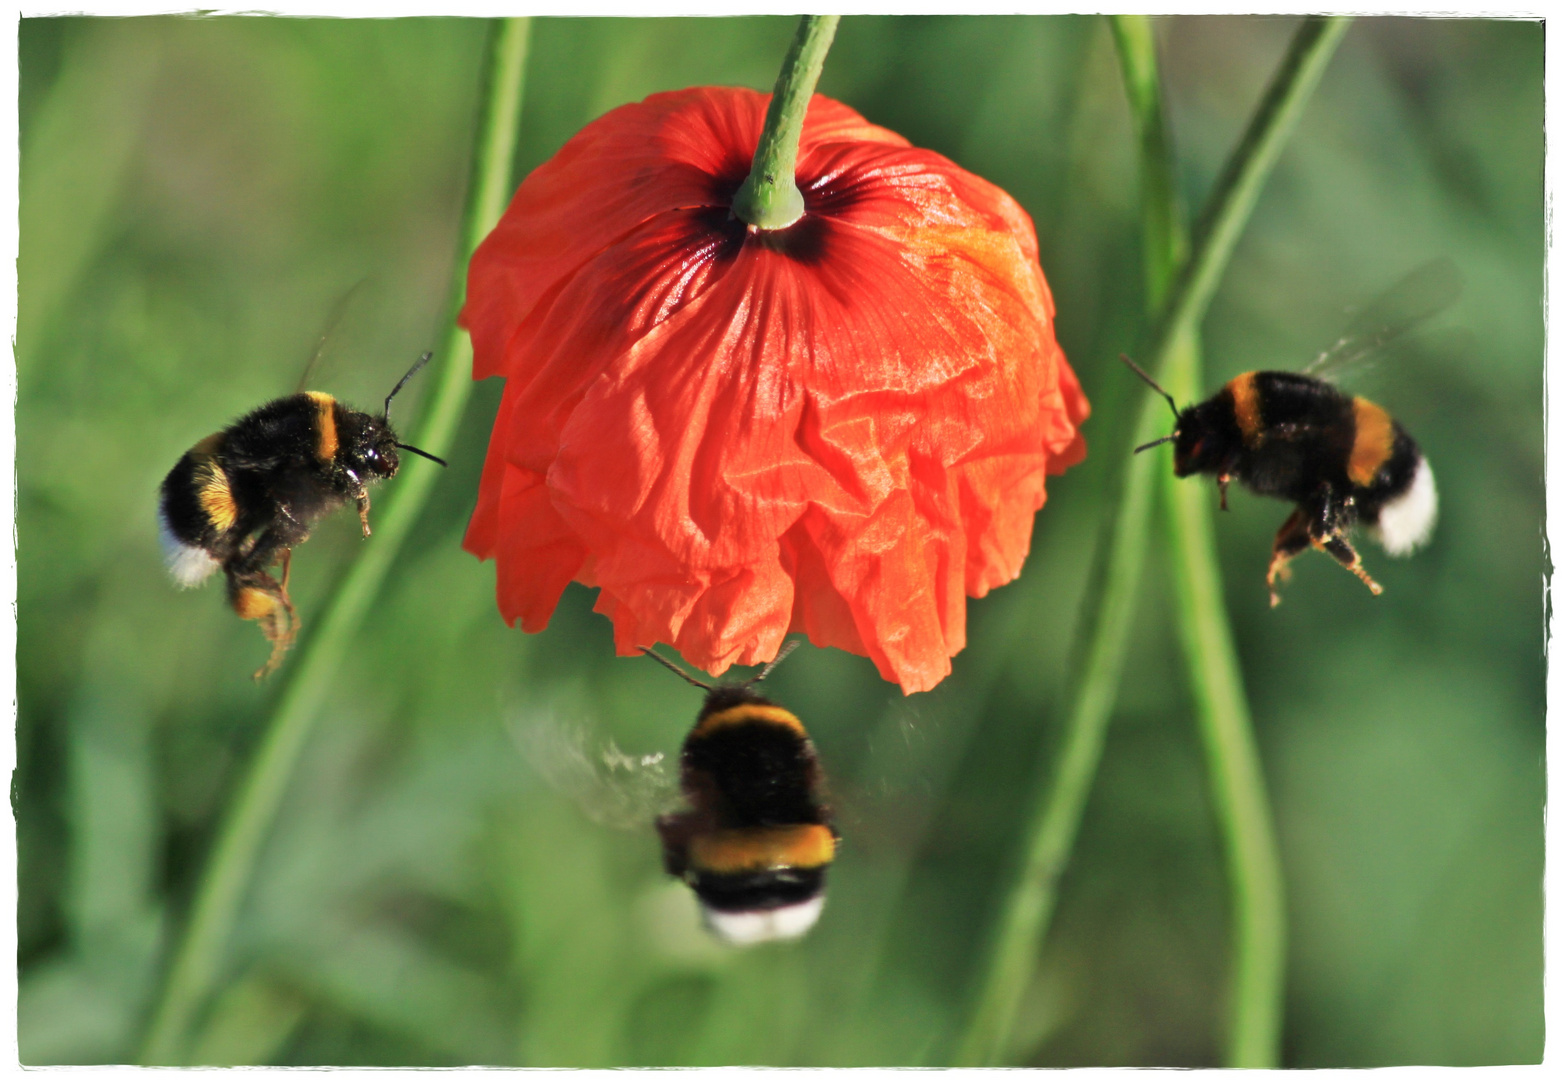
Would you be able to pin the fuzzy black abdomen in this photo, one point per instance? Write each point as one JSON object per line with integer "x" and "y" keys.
{"x": 281, "y": 434}
{"x": 764, "y": 773}
{"x": 1299, "y": 436}
{"x": 1293, "y": 466}
{"x": 187, "y": 519}
{"x": 274, "y": 457}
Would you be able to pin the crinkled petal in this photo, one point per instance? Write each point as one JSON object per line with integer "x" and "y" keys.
{"x": 624, "y": 167}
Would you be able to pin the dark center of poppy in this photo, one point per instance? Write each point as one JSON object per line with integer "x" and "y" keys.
{"x": 806, "y": 241}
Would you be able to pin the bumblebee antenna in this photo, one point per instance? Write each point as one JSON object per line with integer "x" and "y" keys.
{"x": 1153, "y": 386}
{"x": 675, "y": 669}
{"x": 786, "y": 650}
{"x": 413, "y": 370}
{"x": 1157, "y": 442}
{"x": 423, "y": 453}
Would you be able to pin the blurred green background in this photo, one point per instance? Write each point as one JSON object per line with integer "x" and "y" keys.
{"x": 442, "y": 889}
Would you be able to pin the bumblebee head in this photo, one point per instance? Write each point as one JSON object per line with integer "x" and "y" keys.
{"x": 1195, "y": 446}
{"x": 1213, "y": 437}
{"x": 1192, "y": 452}
{"x": 370, "y": 452}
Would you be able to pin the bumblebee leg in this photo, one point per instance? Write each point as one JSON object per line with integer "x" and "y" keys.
{"x": 1294, "y": 537}
{"x": 274, "y": 545}
{"x": 363, "y": 512}
{"x": 1223, "y": 478}
{"x": 287, "y": 601}
{"x": 257, "y": 595}
{"x": 1339, "y": 547}
{"x": 280, "y": 629}
{"x": 1336, "y": 515}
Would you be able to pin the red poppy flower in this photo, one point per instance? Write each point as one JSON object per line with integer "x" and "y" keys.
{"x": 842, "y": 427}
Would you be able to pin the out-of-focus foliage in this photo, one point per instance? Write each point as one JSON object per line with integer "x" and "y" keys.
{"x": 197, "y": 193}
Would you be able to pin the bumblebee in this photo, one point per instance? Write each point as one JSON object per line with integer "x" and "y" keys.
{"x": 243, "y": 498}
{"x": 755, "y": 840}
{"x": 1342, "y": 460}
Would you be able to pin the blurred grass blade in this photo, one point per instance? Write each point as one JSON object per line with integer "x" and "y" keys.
{"x": 113, "y": 815}
{"x": 251, "y": 1021}
{"x": 1104, "y": 625}
{"x": 394, "y": 981}
{"x": 198, "y": 961}
{"x": 71, "y": 184}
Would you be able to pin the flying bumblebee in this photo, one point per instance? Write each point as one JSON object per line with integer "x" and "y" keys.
{"x": 755, "y": 840}
{"x": 1341, "y": 459}
{"x": 243, "y": 498}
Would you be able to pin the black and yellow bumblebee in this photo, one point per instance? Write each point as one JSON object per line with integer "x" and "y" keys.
{"x": 1343, "y": 460}
{"x": 755, "y": 839}
{"x": 241, "y": 499}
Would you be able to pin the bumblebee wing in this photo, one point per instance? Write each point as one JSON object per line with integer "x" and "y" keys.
{"x": 612, "y": 788}
{"x": 332, "y": 321}
{"x": 1426, "y": 291}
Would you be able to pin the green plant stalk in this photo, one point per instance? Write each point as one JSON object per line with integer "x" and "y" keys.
{"x": 201, "y": 952}
{"x": 1165, "y": 232}
{"x": 769, "y": 198}
{"x": 1248, "y": 168}
{"x": 1257, "y": 977}
{"x": 1104, "y": 626}
{"x": 1225, "y": 727}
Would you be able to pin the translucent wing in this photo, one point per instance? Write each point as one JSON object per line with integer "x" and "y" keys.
{"x": 1427, "y": 290}
{"x": 332, "y": 321}
{"x": 612, "y": 788}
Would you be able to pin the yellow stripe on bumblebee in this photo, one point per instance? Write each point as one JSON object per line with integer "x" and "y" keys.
{"x": 736, "y": 851}
{"x": 215, "y": 494}
{"x": 1244, "y": 396}
{"x": 1374, "y": 442}
{"x": 325, "y": 424}
{"x": 749, "y": 713}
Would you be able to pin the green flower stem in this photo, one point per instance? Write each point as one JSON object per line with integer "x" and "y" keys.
{"x": 769, "y": 198}
{"x": 1104, "y": 625}
{"x": 1165, "y": 230}
{"x": 1248, "y": 167}
{"x": 202, "y": 952}
{"x": 1225, "y": 727}
{"x": 1257, "y": 974}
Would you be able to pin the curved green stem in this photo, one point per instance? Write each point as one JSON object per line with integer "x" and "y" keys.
{"x": 769, "y": 198}
{"x": 1104, "y": 625}
{"x": 1225, "y": 727}
{"x": 1248, "y": 168}
{"x": 202, "y": 950}
{"x": 1165, "y": 231}
{"x": 1257, "y": 977}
